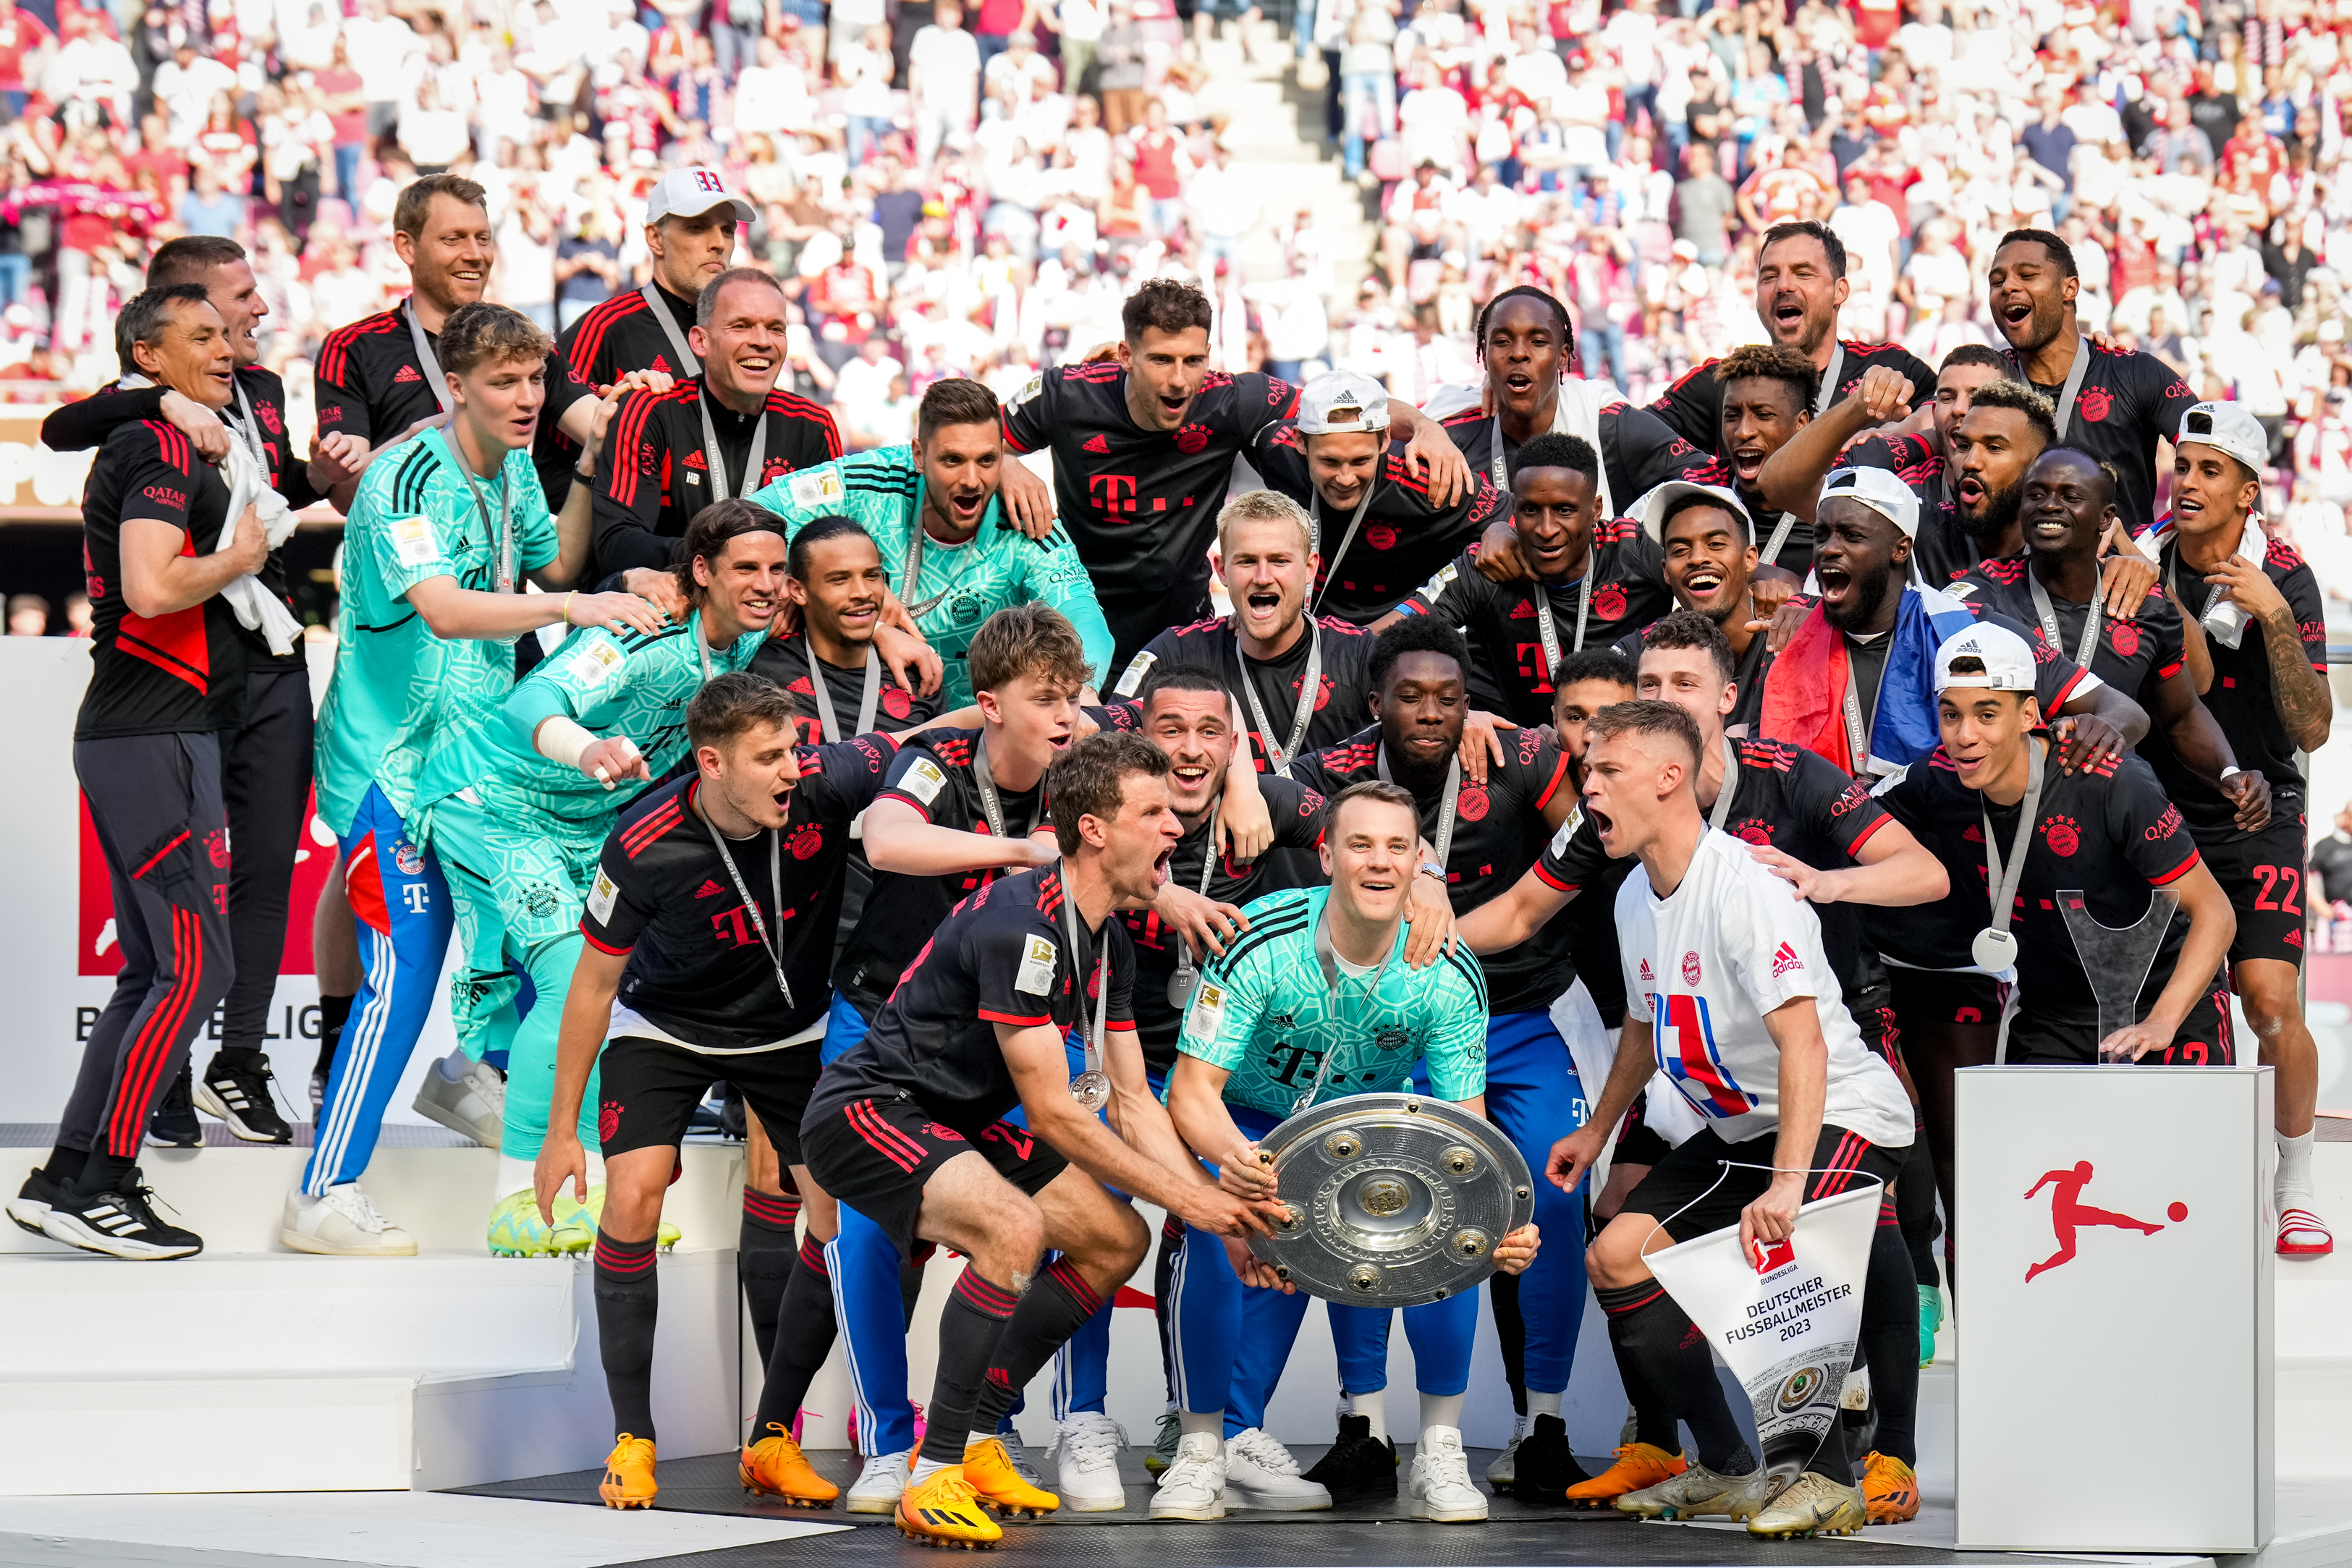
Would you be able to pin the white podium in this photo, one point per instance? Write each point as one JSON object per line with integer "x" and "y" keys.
{"x": 2114, "y": 1242}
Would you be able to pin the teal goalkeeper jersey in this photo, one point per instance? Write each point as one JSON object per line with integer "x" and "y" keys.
{"x": 962, "y": 585}
{"x": 629, "y": 683}
{"x": 396, "y": 686}
{"x": 1264, "y": 1015}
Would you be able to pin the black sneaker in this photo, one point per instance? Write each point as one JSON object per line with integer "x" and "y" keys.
{"x": 40, "y": 1193}
{"x": 1358, "y": 1465}
{"x": 239, "y": 1095}
{"x": 121, "y": 1223}
{"x": 172, "y": 1122}
{"x": 1545, "y": 1469}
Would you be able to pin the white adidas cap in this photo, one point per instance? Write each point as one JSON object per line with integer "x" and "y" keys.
{"x": 1881, "y": 491}
{"x": 1340, "y": 401}
{"x": 2227, "y": 427}
{"x": 690, "y": 193}
{"x": 1651, "y": 510}
{"x": 2008, "y": 661}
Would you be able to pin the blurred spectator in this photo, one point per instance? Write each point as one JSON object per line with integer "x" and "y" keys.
{"x": 28, "y": 615}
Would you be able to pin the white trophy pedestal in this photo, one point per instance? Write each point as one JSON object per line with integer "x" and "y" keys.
{"x": 2146, "y": 1336}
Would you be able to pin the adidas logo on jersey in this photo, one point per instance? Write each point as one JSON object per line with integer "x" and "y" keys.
{"x": 708, "y": 888}
{"x": 1785, "y": 960}
{"x": 1097, "y": 444}
{"x": 407, "y": 373}
{"x": 663, "y": 366}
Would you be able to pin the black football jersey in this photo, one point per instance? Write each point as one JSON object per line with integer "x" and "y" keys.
{"x": 80, "y": 425}
{"x": 2240, "y": 696}
{"x": 1403, "y": 538}
{"x": 368, "y": 381}
{"x": 2101, "y": 840}
{"x": 653, "y": 473}
{"x": 1498, "y": 832}
{"x": 785, "y": 660}
{"x": 174, "y": 674}
{"x": 1002, "y": 956}
{"x": 1693, "y": 406}
{"x": 1625, "y": 581}
{"x": 1141, "y": 505}
{"x": 932, "y": 773}
{"x": 607, "y": 342}
{"x": 2132, "y": 656}
{"x": 699, "y": 969}
{"x": 1298, "y": 820}
{"x": 1341, "y": 687}
{"x": 1785, "y": 797}
{"x": 2127, "y": 402}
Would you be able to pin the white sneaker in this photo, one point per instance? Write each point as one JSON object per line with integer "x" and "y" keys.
{"x": 877, "y": 1486}
{"x": 474, "y": 1105}
{"x": 1193, "y": 1486}
{"x": 1505, "y": 1470}
{"x": 1439, "y": 1488}
{"x": 341, "y": 1224}
{"x": 1260, "y": 1473}
{"x": 1086, "y": 1463}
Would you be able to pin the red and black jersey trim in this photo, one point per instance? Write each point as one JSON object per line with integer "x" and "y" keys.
{"x": 335, "y": 353}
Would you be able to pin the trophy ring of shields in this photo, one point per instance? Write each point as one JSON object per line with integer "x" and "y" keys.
{"x": 1393, "y": 1199}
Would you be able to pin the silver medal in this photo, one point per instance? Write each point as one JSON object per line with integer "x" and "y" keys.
{"x": 1993, "y": 950}
{"x": 1091, "y": 1089}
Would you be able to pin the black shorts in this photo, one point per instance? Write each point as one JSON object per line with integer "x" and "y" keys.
{"x": 648, "y": 1090}
{"x": 874, "y": 1154}
{"x": 1926, "y": 998}
{"x": 2263, "y": 877}
{"x": 1638, "y": 1143}
{"x": 2204, "y": 1039}
{"x": 1675, "y": 1183}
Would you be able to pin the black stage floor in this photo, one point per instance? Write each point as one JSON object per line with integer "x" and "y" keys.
{"x": 1362, "y": 1535}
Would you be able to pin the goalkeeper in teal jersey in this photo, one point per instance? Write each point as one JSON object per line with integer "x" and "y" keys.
{"x": 519, "y": 803}
{"x": 445, "y": 531}
{"x": 1315, "y": 1001}
{"x": 954, "y": 558}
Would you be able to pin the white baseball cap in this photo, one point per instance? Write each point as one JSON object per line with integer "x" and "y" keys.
{"x": 1881, "y": 491}
{"x": 1340, "y": 401}
{"x": 690, "y": 193}
{"x": 1651, "y": 510}
{"x": 2227, "y": 427}
{"x": 2008, "y": 661}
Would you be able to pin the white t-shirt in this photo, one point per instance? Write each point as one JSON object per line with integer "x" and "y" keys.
{"x": 1723, "y": 949}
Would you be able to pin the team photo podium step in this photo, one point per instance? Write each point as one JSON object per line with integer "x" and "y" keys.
{"x": 274, "y": 1372}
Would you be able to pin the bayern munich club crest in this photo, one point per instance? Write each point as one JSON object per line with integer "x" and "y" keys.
{"x": 2062, "y": 835}
{"x": 1690, "y": 968}
{"x": 2124, "y": 637}
{"x": 807, "y": 841}
{"x": 2094, "y": 403}
{"x": 408, "y": 858}
{"x": 1472, "y": 806}
{"x": 1608, "y": 603}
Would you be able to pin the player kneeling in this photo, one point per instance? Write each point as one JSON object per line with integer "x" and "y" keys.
{"x": 907, "y": 1127}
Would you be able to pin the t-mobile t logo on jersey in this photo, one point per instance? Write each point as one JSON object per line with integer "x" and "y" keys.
{"x": 1112, "y": 493}
{"x": 2068, "y": 1211}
